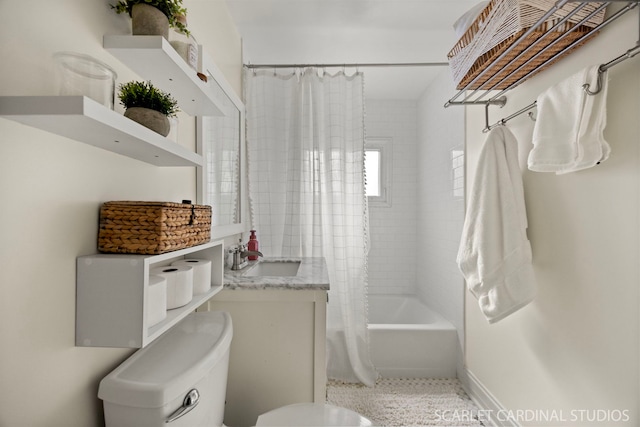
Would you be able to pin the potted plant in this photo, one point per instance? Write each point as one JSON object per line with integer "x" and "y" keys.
{"x": 148, "y": 105}
{"x": 154, "y": 17}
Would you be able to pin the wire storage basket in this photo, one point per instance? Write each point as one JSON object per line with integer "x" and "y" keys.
{"x": 130, "y": 227}
{"x": 501, "y": 23}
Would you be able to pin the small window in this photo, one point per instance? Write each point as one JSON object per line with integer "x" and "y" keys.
{"x": 372, "y": 166}
{"x": 377, "y": 163}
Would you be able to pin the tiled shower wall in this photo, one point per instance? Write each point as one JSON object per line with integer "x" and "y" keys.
{"x": 414, "y": 241}
{"x": 440, "y": 154}
{"x": 393, "y": 229}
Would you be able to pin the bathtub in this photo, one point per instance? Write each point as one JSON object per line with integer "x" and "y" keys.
{"x": 409, "y": 340}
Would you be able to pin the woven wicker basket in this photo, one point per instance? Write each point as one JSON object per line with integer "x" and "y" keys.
{"x": 152, "y": 227}
{"x": 499, "y": 25}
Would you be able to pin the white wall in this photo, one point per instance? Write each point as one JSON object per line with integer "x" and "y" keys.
{"x": 577, "y": 345}
{"x": 217, "y": 32}
{"x": 440, "y": 156}
{"x": 393, "y": 229}
{"x": 51, "y": 189}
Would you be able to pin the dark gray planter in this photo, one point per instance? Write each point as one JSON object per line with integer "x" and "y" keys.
{"x": 152, "y": 119}
{"x": 149, "y": 21}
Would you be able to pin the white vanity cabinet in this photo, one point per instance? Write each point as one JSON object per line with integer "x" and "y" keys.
{"x": 112, "y": 291}
{"x": 278, "y": 350}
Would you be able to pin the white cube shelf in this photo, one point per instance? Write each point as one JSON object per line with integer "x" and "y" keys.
{"x": 111, "y": 291}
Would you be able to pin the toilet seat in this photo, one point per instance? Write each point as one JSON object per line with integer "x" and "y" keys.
{"x": 312, "y": 414}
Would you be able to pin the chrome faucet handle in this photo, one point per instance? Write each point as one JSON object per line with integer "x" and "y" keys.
{"x": 245, "y": 254}
{"x": 241, "y": 247}
{"x": 239, "y": 256}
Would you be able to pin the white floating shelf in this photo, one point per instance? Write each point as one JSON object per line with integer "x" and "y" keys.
{"x": 85, "y": 120}
{"x": 111, "y": 295}
{"x": 154, "y": 59}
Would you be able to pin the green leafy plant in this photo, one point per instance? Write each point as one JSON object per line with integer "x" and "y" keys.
{"x": 171, "y": 8}
{"x": 144, "y": 94}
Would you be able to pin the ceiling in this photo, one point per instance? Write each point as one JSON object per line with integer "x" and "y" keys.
{"x": 353, "y": 32}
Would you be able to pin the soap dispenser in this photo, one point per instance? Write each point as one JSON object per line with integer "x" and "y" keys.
{"x": 252, "y": 245}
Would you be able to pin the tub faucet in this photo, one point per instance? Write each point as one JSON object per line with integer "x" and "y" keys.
{"x": 240, "y": 255}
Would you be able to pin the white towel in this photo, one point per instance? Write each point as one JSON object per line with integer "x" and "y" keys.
{"x": 568, "y": 134}
{"x": 592, "y": 147}
{"x": 495, "y": 254}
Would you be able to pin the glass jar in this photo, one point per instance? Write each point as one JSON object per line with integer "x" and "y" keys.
{"x": 80, "y": 74}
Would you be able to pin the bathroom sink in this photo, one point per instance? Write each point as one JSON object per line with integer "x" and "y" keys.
{"x": 273, "y": 268}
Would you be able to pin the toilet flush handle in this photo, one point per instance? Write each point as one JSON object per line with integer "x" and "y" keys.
{"x": 190, "y": 401}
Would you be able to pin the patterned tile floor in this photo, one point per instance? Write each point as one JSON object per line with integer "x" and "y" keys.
{"x": 408, "y": 402}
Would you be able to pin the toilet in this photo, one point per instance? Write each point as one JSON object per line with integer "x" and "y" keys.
{"x": 312, "y": 414}
{"x": 180, "y": 380}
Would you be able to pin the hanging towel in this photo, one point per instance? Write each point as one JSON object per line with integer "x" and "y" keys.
{"x": 592, "y": 147}
{"x": 568, "y": 134}
{"x": 495, "y": 254}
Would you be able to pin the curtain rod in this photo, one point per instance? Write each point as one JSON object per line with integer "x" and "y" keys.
{"x": 395, "y": 64}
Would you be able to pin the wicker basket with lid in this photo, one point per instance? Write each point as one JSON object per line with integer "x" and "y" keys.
{"x": 131, "y": 227}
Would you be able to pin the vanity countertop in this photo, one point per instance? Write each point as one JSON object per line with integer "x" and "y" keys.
{"x": 312, "y": 275}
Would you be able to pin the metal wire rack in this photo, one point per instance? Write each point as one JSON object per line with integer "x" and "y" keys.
{"x": 483, "y": 95}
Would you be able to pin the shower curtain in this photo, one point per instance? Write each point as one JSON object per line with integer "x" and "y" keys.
{"x": 305, "y": 138}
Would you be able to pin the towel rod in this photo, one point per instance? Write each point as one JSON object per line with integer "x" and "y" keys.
{"x": 630, "y": 53}
{"x": 504, "y": 120}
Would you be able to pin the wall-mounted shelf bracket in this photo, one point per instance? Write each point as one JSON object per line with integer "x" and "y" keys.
{"x": 503, "y": 121}
{"x": 486, "y": 112}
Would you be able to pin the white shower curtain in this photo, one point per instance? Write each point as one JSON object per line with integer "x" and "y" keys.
{"x": 305, "y": 137}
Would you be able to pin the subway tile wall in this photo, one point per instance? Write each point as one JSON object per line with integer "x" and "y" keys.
{"x": 440, "y": 154}
{"x": 393, "y": 229}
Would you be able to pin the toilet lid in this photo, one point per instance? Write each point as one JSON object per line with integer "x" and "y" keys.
{"x": 312, "y": 414}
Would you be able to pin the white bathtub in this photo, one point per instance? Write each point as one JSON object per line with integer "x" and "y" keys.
{"x": 409, "y": 340}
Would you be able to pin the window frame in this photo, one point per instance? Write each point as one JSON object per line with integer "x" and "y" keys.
{"x": 383, "y": 146}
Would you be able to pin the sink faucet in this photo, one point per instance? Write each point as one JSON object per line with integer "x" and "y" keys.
{"x": 240, "y": 255}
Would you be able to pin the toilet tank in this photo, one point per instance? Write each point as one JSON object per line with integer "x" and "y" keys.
{"x": 154, "y": 383}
